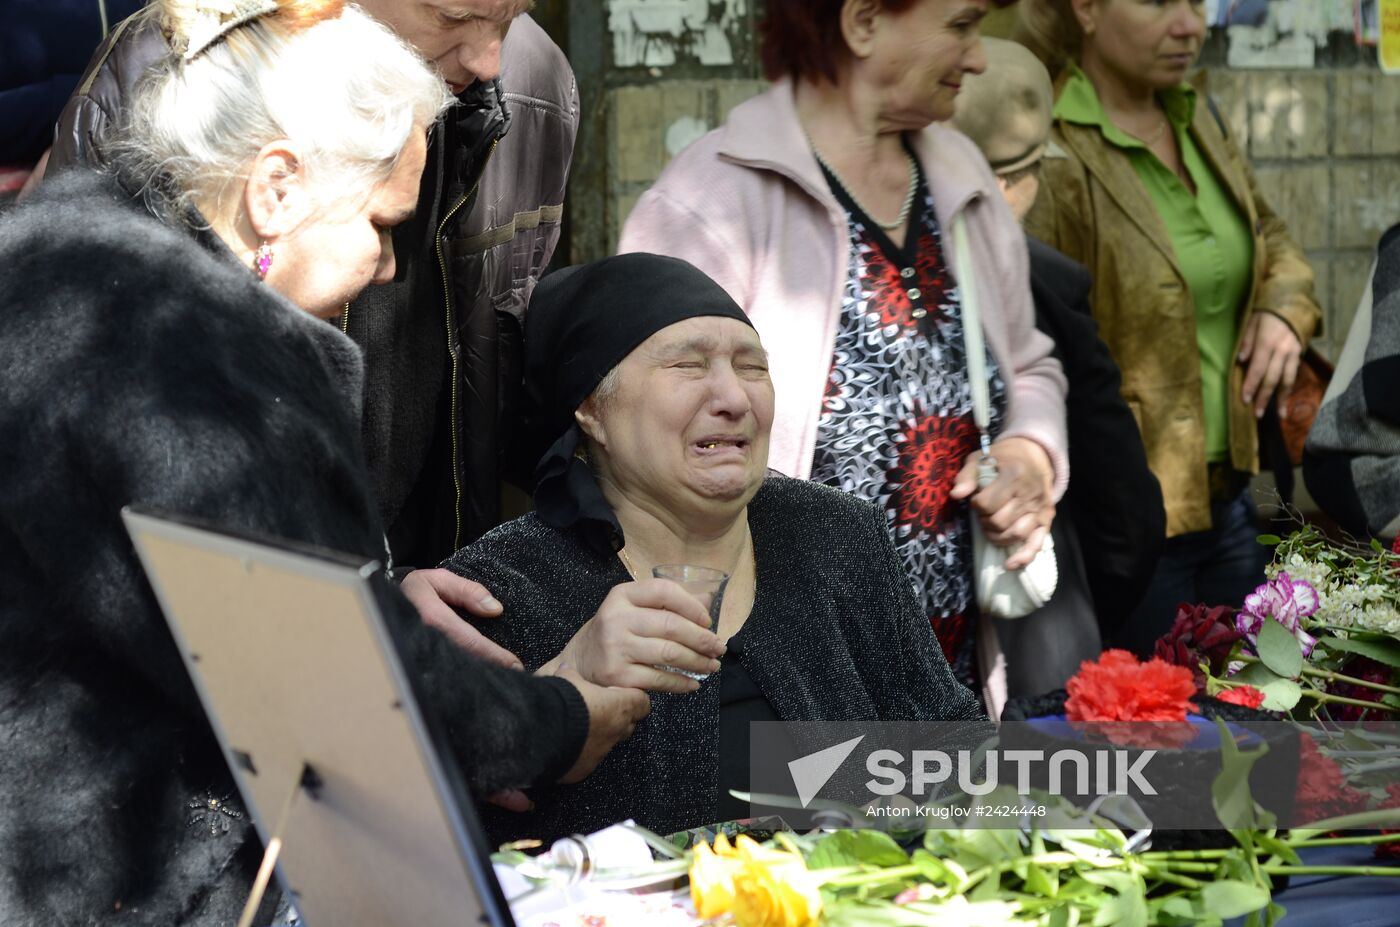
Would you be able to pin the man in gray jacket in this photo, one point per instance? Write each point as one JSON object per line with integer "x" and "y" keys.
{"x": 442, "y": 342}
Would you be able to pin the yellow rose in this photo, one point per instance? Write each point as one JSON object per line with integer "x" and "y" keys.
{"x": 773, "y": 888}
{"x": 712, "y": 878}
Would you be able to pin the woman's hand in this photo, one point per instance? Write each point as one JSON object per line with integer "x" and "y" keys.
{"x": 640, "y": 626}
{"x": 613, "y": 714}
{"x": 1271, "y": 349}
{"x": 1017, "y": 507}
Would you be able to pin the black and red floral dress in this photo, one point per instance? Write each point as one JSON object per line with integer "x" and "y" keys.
{"x": 896, "y": 423}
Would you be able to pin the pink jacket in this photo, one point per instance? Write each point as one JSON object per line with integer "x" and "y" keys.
{"x": 748, "y": 205}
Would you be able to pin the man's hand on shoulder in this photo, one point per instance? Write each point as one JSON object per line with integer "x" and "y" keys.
{"x": 437, "y": 592}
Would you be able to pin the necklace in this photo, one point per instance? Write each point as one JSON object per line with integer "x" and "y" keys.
{"x": 631, "y": 567}
{"x": 626, "y": 562}
{"x": 904, "y": 209}
{"x": 1156, "y": 136}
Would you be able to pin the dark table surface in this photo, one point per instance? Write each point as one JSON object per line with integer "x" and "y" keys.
{"x": 1340, "y": 901}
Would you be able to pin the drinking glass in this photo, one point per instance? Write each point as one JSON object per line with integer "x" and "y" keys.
{"x": 706, "y": 585}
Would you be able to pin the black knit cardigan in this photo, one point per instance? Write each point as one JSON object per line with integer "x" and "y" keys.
{"x": 835, "y": 634}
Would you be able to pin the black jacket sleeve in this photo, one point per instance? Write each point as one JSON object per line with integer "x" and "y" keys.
{"x": 116, "y": 67}
{"x": 1115, "y": 500}
{"x": 506, "y": 729}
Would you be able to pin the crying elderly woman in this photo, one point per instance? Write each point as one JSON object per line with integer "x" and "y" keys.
{"x": 654, "y": 388}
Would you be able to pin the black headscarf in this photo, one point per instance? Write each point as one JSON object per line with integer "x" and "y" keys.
{"x": 581, "y": 323}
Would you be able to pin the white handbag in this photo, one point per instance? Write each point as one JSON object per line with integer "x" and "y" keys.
{"x": 1001, "y": 593}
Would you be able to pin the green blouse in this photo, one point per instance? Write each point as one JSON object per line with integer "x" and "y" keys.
{"x": 1211, "y": 237}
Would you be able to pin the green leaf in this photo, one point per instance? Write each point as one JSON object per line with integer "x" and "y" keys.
{"x": 1125, "y": 909}
{"x": 957, "y": 875}
{"x": 1178, "y": 906}
{"x": 989, "y": 889}
{"x": 930, "y": 866}
{"x": 1181, "y": 910}
{"x": 1042, "y": 880}
{"x": 1279, "y": 694}
{"x": 857, "y": 848}
{"x": 1386, "y": 651}
{"x": 1279, "y": 649}
{"x": 1255, "y": 674}
{"x": 1127, "y": 906}
{"x": 956, "y": 912}
{"x": 1226, "y": 898}
{"x": 1269, "y": 540}
{"x": 869, "y": 914}
{"x": 1276, "y": 847}
{"x": 987, "y": 846}
{"x": 1230, "y": 794}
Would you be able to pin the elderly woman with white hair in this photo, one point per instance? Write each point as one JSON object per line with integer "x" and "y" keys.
{"x": 166, "y": 344}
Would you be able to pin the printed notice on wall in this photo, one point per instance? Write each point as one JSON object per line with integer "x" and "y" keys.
{"x": 1389, "y": 16}
{"x": 661, "y": 33}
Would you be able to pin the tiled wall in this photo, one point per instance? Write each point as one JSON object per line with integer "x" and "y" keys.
{"x": 1325, "y": 146}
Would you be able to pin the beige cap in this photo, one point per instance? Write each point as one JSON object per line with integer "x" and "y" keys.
{"x": 1006, "y": 110}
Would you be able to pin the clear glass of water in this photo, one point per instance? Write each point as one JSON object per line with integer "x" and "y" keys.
{"x": 706, "y": 585}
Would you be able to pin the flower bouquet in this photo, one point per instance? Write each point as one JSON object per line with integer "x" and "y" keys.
{"x": 1318, "y": 639}
{"x": 1316, "y": 642}
{"x": 1153, "y": 710}
{"x": 1077, "y": 869}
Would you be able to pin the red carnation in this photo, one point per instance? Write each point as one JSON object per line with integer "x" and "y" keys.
{"x": 1118, "y": 688}
{"x": 1359, "y": 667}
{"x": 1248, "y": 696}
{"x": 1200, "y": 635}
{"x": 1322, "y": 787}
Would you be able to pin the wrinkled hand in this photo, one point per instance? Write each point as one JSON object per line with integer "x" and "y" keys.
{"x": 1271, "y": 350}
{"x": 613, "y": 714}
{"x": 640, "y": 626}
{"x": 436, "y": 592}
{"x": 1016, "y": 508}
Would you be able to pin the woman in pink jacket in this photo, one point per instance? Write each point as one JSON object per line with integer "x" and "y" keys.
{"x": 823, "y": 207}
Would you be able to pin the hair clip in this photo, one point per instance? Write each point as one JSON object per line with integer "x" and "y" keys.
{"x": 211, "y": 20}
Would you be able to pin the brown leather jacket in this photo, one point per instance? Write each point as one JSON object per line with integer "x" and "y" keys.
{"x": 1093, "y": 208}
{"x": 488, "y": 219}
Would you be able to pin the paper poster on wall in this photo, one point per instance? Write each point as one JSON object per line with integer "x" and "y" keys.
{"x": 1288, "y": 35}
{"x": 661, "y": 33}
{"x": 1388, "y": 17}
{"x": 1237, "y": 12}
{"x": 1367, "y": 22}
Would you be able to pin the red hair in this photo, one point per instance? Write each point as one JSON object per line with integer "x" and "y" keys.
{"x": 802, "y": 38}
{"x": 299, "y": 14}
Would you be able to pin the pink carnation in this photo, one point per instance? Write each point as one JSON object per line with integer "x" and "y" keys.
{"x": 1287, "y": 601}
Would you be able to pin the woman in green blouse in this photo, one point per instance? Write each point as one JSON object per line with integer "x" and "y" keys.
{"x": 1200, "y": 293}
